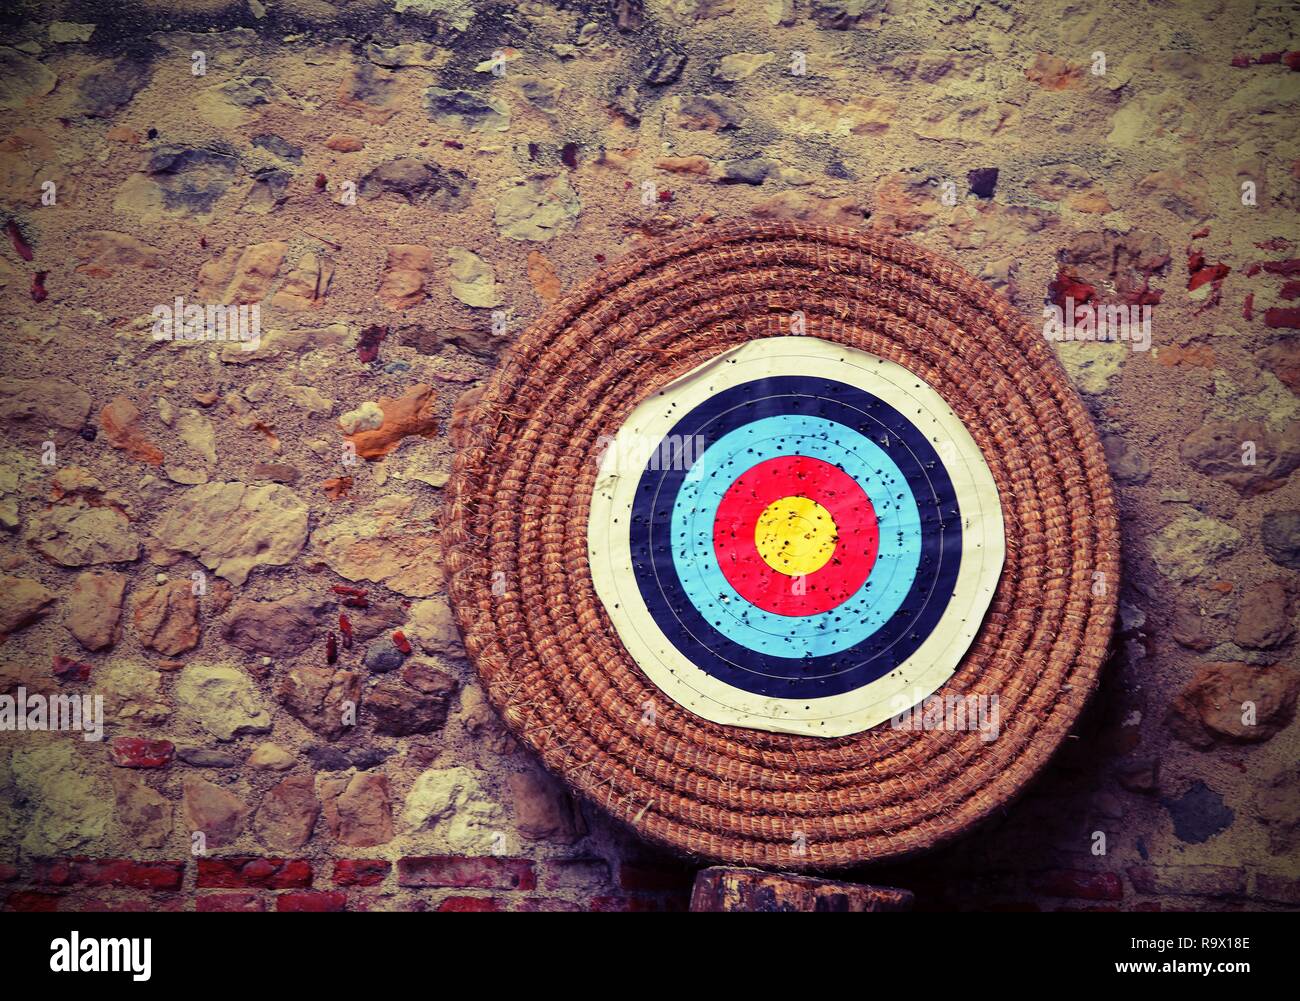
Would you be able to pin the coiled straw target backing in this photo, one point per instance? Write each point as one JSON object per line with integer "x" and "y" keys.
{"x": 520, "y": 495}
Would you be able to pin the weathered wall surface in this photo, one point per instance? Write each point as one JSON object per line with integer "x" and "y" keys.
{"x": 185, "y": 522}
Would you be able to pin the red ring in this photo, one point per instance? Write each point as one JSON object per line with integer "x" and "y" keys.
{"x": 856, "y": 547}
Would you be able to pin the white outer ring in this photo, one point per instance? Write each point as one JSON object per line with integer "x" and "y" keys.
{"x": 929, "y": 666}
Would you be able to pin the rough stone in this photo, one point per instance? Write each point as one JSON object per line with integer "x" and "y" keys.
{"x": 208, "y": 757}
{"x": 198, "y": 434}
{"x": 709, "y": 113}
{"x": 23, "y": 79}
{"x": 166, "y": 618}
{"x": 70, "y": 809}
{"x": 1265, "y": 619}
{"x": 747, "y": 170}
{"x": 370, "y": 92}
{"x": 132, "y": 694}
{"x": 544, "y": 811}
{"x": 1246, "y": 455}
{"x": 537, "y": 208}
{"x": 287, "y": 815}
{"x": 452, "y": 805}
{"x": 144, "y": 815}
{"x": 242, "y": 276}
{"x": 481, "y": 720}
{"x": 30, "y": 409}
{"x": 1198, "y": 814}
{"x": 189, "y": 179}
{"x": 1235, "y": 702}
{"x": 383, "y": 657}
{"x": 271, "y": 757}
{"x": 94, "y": 609}
{"x": 1277, "y": 804}
{"x": 1093, "y": 365}
{"x": 379, "y": 618}
{"x": 1279, "y": 531}
{"x": 103, "y": 93}
{"x": 409, "y": 415}
{"x": 419, "y": 183}
{"x": 383, "y": 545}
{"x": 215, "y": 812}
{"x": 22, "y": 602}
{"x": 741, "y": 65}
{"x": 121, "y": 423}
{"x": 1191, "y": 627}
{"x": 306, "y": 286}
{"x": 466, "y": 111}
{"x": 139, "y": 752}
{"x": 233, "y": 528}
{"x": 397, "y": 711}
{"x": 103, "y": 253}
{"x": 70, "y": 672}
{"x": 473, "y": 281}
{"x": 74, "y": 535}
{"x": 478, "y": 340}
{"x": 222, "y": 700}
{"x": 431, "y": 625}
{"x": 357, "y": 808}
{"x": 405, "y": 272}
{"x": 1283, "y": 359}
{"x": 278, "y": 628}
{"x": 1127, "y": 464}
{"x": 665, "y": 68}
{"x": 1190, "y": 544}
{"x": 321, "y": 697}
{"x": 279, "y": 344}
{"x": 248, "y": 91}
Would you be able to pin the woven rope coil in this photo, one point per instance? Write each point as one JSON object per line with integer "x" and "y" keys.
{"x": 550, "y": 660}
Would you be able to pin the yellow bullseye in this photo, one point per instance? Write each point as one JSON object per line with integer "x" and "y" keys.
{"x": 795, "y": 536}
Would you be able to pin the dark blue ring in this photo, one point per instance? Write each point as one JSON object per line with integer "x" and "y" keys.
{"x": 803, "y": 677}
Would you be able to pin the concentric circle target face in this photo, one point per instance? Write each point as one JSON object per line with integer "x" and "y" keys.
{"x": 797, "y": 536}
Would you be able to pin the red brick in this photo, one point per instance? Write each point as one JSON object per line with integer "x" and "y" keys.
{"x": 1283, "y": 889}
{"x": 312, "y": 901}
{"x": 229, "y": 902}
{"x": 137, "y": 752}
{"x": 110, "y": 872}
{"x": 32, "y": 901}
{"x": 575, "y": 873}
{"x": 360, "y": 871}
{"x": 1279, "y": 317}
{"x": 468, "y": 905}
{"x": 1188, "y": 880}
{"x": 248, "y": 872}
{"x": 655, "y": 877}
{"x": 482, "y": 872}
{"x": 674, "y": 903}
{"x": 122, "y": 905}
{"x": 1079, "y": 884}
{"x": 546, "y": 905}
{"x": 645, "y": 904}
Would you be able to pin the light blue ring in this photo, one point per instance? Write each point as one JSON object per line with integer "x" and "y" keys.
{"x": 829, "y": 632}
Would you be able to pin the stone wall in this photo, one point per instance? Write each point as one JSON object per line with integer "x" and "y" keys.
{"x": 235, "y": 546}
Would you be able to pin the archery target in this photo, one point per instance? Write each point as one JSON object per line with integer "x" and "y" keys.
{"x": 796, "y": 536}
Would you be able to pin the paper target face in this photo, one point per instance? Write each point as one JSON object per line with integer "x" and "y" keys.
{"x": 797, "y": 536}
